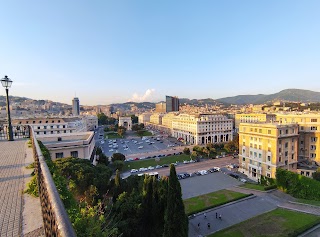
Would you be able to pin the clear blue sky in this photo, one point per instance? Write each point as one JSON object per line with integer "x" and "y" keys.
{"x": 113, "y": 51}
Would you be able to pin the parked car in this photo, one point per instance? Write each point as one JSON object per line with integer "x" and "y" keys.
{"x": 165, "y": 165}
{"x": 111, "y": 150}
{"x": 140, "y": 147}
{"x": 136, "y": 158}
{"x": 243, "y": 180}
{"x": 217, "y": 168}
{"x": 234, "y": 175}
{"x": 158, "y": 166}
{"x": 134, "y": 171}
{"x": 150, "y": 168}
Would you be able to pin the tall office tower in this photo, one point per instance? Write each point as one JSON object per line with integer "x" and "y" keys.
{"x": 75, "y": 106}
{"x": 172, "y": 103}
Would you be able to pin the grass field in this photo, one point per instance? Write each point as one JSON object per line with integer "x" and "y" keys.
{"x": 144, "y": 134}
{"x": 279, "y": 222}
{"x": 310, "y": 202}
{"x": 112, "y": 135}
{"x": 210, "y": 200}
{"x": 152, "y": 162}
{"x": 253, "y": 186}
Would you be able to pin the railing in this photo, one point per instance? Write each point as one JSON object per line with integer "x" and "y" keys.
{"x": 55, "y": 218}
{"x": 19, "y": 131}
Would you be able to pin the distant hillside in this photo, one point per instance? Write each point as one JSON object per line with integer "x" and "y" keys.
{"x": 292, "y": 95}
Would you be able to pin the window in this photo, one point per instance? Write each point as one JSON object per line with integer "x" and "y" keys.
{"x": 38, "y": 127}
{"x": 301, "y": 142}
{"x": 44, "y": 132}
{"x": 33, "y": 121}
{"x": 313, "y": 155}
{"x": 269, "y": 168}
{"x": 37, "y": 133}
{"x": 46, "y": 121}
{"x": 269, "y": 131}
{"x": 74, "y": 154}
{"x": 59, "y": 155}
{"x": 64, "y": 126}
{"x": 286, "y": 131}
{"x": 268, "y": 175}
{"x": 280, "y": 142}
{"x": 286, "y": 145}
{"x": 313, "y": 120}
{"x": 302, "y": 173}
{"x": 269, "y": 149}
{"x": 260, "y": 130}
{"x": 58, "y": 121}
{"x": 269, "y": 158}
{"x": 308, "y": 173}
{"x": 259, "y": 147}
{"x": 255, "y": 130}
{"x": 51, "y": 132}
{"x": 280, "y": 132}
{"x": 314, "y": 128}
{"x": 260, "y": 155}
{"x": 313, "y": 147}
{"x": 27, "y": 122}
{"x": 251, "y": 162}
{"x": 286, "y": 154}
{"x": 292, "y": 156}
{"x": 51, "y": 126}
{"x": 250, "y": 153}
{"x": 255, "y": 154}
{"x": 243, "y": 143}
{"x": 279, "y": 158}
{"x": 40, "y": 121}
{"x": 243, "y": 159}
{"x": 301, "y": 128}
{"x": 58, "y": 126}
{"x": 65, "y": 131}
{"x": 313, "y": 139}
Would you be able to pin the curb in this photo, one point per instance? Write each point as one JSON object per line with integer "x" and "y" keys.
{"x": 297, "y": 210}
{"x": 305, "y": 234}
{"x": 221, "y": 206}
{"x": 305, "y": 204}
{"x": 268, "y": 191}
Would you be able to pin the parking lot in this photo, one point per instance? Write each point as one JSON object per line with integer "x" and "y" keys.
{"x": 137, "y": 147}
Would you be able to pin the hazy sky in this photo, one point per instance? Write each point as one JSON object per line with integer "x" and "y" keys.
{"x": 116, "y": 51}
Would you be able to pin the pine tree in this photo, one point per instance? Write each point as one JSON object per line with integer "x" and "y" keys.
{"x": 117, "y": 186}
{"x": 176, "y": 221}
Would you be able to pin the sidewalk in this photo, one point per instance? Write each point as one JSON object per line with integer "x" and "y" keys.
{"x": 14, "y": 156}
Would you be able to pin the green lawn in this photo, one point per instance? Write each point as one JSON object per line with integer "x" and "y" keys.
{"x": 152, "y": 162}
{"x": 210, "y": 200}
{"x": 253, "y": 186}
{"x": 144, "y": 134}
{"x": 112, "y": 135}
{"x": 310, "y": 202}
{"x": 279, "y": 222}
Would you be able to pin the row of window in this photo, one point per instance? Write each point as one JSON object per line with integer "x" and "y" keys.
{"x": 53, "y": 132}
{"x": 74, "y": 154}
{"x": 47, "y": 121}
{"x": 58, "y": 126}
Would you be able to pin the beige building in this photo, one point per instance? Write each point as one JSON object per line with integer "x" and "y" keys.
{"x": 200, "y": 129}
{"x": 91, "y": 122}
{"x": 46, "y": 126}
{"x": 161, "y": 107}
{"x": 144, "y": 118}
{"x": 156, "y": 118}
{"x": 309, "y": 131}
{"x": 78, "y": 145}
{"x": 263, "y": 147}
{"x": 253, "y": 118}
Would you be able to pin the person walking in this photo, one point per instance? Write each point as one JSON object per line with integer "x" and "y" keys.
{"x": 199, "y": 225}
{"x": 216, "y": 215}
{"x": 220, "y": 217}
{"x": 205, "y": 216}
{"x": 208, "y": 225}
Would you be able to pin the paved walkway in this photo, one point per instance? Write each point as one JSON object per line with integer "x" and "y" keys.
{"x": 242, "y": 210}
{"x": 20, "y": 214}
{"x": 12, "y": 157}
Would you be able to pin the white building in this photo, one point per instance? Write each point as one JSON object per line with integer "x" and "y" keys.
{"x": 200, "y": 129}
{"x": 91, "y": 122}
{"x": 144, "y": 118}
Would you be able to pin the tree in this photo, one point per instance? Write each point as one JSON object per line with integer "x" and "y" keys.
{"x": 316, "y": 175}
{"x": 186, "y": 151}
{"x": 134, "y": 119}
{"x": 118, "y": 156}
{"x": 102, "y": 118}
{"x": 118, "y": 164}
{"x": 140, "y": 133}
{"x": 121, "y": 131}
{"x": 117, "y": 186}
{"x": 176, "y": 221}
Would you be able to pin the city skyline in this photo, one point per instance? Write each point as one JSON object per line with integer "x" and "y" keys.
{"x": 112, "y": 52}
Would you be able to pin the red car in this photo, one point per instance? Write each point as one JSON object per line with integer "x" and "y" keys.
{"x": 136, "y": 158}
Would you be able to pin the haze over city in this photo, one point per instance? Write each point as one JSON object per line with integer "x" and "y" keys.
{"x": 117, "y": 51}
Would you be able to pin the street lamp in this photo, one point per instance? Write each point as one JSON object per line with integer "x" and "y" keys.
{"x": 6, "y": 83}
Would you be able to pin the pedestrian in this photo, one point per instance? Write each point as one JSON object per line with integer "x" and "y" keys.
{"x": 205, "y": 216}
{"x": 199, "y": 225}
{"x": 220, "y": 216}
{"x": 216, "y": 215}
{"x": 208, "y": 225}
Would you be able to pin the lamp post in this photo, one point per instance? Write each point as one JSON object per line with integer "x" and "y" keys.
{"x": 6, "y": 83}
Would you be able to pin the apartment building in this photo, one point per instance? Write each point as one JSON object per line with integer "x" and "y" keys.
{"x": 91, "y": 122}
{"x": 156, "y": 118}
{"x": 200, "y": 129}
{"x": 253, "y": 118}
{"x": 309, "y": 131}
{"x": 264, "y": 147}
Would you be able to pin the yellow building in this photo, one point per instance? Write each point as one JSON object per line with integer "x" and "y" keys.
{"x": 263, "y": 147}
{"x": 156, "y": 118}
{"x": 309, "y": 131}
{"x": 167, "y": 119}
{"x": 253, "y": 118}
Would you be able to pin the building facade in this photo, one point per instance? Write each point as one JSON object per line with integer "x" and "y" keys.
{"x": 264, "y": 147}
{"x": 75, "y": 106}
{"x": 253, "y": 118}
{"x": 77, "y": 145}
{"x": 144, "y": 118}
{"x": 172, "y": 104}
{"x": 201, "y": 129}
{"x": 161, "y": 107}
{"x": 309, "y": 131}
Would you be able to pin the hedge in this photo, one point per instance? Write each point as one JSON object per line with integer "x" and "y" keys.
{"x": 297, "y": 185}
